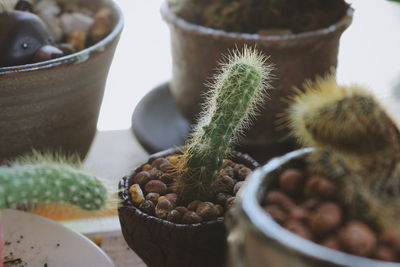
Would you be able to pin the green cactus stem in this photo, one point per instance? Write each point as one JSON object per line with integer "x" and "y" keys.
{"x": 358, "y": 146}
{"x": 29, "y": 185}
{"x": 231, "y": 103}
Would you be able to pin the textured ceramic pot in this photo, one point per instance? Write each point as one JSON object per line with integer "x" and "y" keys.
{"x": 161, "y": 243}
{"x": 54, "y": 105}
{"x": 256, "y": 240}
{"x": 197, "y": 49}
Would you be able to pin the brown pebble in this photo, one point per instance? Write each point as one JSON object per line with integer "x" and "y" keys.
{"x": 155, "y": 174}
{"x": 385, "y": 253}
{"x": 220, "y": 209}
{"x": 173, "y": 159}
{"x": 276, "y": 213}
{"x": 224, "y": 184}
{"x": 158, "y": 162}
{"x": 227, "y": 162}
{"x": 136, "y": 194}
{"x": 182, "y": 210}
{"x": 222, "y": 198}
{"x": 311, "y": 203}
{"x": 166, "y": 167}
{"x": 243, "y": 173}
{"x": 230, "y": 203}
{"x": 298, "y": 213}
{"x": 326, "y": 218}
{"x": 156, "y": 186}
{"x": 280, "y": 199}
{"x": 357, "y": 238}
{"x": 391, "y": 237}
{"x": 103, "y": 24}
{"x": 172, "y": 197}
{"x": 237, "y": 167}
{"x": 147, "y": 167}
{"x": 163, "y": 208}
{"x": 153, "y": 197}
{"x": 317, "y": 186}
{"x": 331, "y": 242}
{"x": 175, "y": 216}
{"x": 193, "y": 205}
{"x": 207, "y": 211}
{"x": 77, "y": 39}
{"x": 237, "y": 187}
{"x": 227, "y": 171}
{"x": 191, "y": 217}
{"x": 166, "y": 179}
{"x": 148, "y": 207}
{"x": 291, "y": 181}
{"x": 142, "y": 178}
{"x": 298, "y": 228}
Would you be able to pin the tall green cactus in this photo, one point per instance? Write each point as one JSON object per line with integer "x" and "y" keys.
{"x": 230, "y": 105}
{"x": 32, "y": 184}
{"x": 358, "y": 146}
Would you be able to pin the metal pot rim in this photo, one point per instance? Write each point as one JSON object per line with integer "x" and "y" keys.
{"x": 263, "y": 224}
{"x": 77, "y": 57}
{"x": 195, "y": 29}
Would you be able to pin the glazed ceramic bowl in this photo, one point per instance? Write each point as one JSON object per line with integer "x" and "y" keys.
{"x": 256, "y": 240}
{"x": 54, "y": 105}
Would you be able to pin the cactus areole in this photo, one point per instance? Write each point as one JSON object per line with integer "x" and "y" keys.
{"x": 234, "y": 96}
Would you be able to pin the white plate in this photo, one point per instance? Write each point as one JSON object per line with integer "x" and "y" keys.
{"x": 39, "y": 241}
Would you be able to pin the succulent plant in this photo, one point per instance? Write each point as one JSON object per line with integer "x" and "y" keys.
{"x": 54, "y": 186}
{"x": 358, "y": 146}
{"x": 230, "y": 104}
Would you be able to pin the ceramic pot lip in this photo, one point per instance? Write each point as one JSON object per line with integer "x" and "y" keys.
{"x": 78, "y": 57}
{"x": 262, "y": 223}
{"x": 126, "y": 202}
{"x": 195, "y": 29}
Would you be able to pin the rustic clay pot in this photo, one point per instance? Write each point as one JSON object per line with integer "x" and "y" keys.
{"x": 197, "y": 49}
{"x": 256, "y": 240}
{"x": 54, "y": 105}
{"x": 161, "y": 243}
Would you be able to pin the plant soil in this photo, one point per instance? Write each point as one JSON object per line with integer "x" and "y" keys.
{"x": 262, "y": 16}
{"x": 153, "y": 192}
{"x": 308, "y": 205}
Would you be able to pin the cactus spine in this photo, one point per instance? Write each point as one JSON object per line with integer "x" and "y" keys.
{"x": 238, "y": 89}
{"x": 7, "y": 5}
{"x": 32, "y": 185}
{"x": 358, "y": 146}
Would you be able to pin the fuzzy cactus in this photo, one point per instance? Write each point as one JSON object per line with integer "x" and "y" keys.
{"x": 358, "y": 146}
{"x": 57, "y": 185}
{"x": 231, "y": 103}
{"x": 7, "y": 5}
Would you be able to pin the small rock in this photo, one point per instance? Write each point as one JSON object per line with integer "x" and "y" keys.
{"x": 357, "y": 238}
{"x": 276, "y": 213}
{"x": 153, "y": 197}
{"x": 136, "y": 194}
{"x": 182, "y": 210}
{"x": 175, "y": 216}
{"x": 103, "y": 24}
{"x": 280, "y": 199}
{"x": 291, "y": 181}
{"x": 191, "y": 217}
{"x": 158, "y": 162}
{"x": 237, "y": 187}
{"x": 77, "y": 39}
{"x": 331, "y": 242}
{"x": 142, "y": 178}
{"x": 147, "y": 207}
{"x": 193, "y": 205}
{"x": 326, "y": 218}
{"x": 48, "y": 7}
{"x": 385, "y": 253}
{"x": 76, "y": 22}
{"x": 163, "y": 208}
{"x": 243, "y": 173}
{"x": 221, "y": 198}
{"x": 207, "y": 211}
{"x": 317, "y": 186}
{"x": 224, "y": 184}
{"x": 172, "y": 197}
{"x": 156, "y": 186}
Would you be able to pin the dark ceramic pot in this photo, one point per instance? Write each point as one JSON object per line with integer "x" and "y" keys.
{"x": 161, "y": 243}
{"x": 297, "y": 57}
{"x": 256, "y": 240}
{"x": 54, "y": 105}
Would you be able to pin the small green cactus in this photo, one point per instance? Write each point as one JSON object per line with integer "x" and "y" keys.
{"x": 29, "y": 185}
{"x": 230, "y": 105}
{"x": 358, "y": 146}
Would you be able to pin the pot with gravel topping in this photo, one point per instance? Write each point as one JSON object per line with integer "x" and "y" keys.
{"x": 54, "y": 61}
{"x": 172, "y": 207}
{"x": 334, "y": 205}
